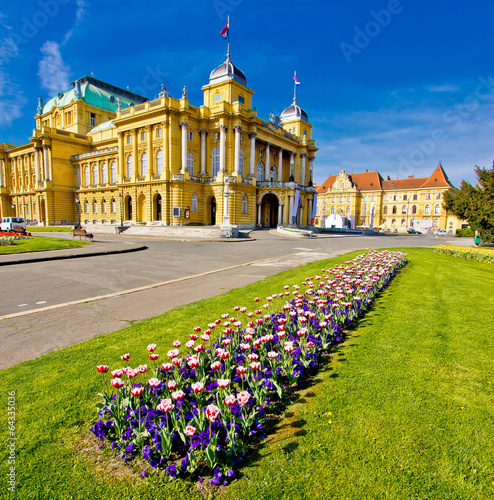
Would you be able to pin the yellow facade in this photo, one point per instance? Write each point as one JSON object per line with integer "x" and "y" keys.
{"x": 347, "y": 200}
{"x": 106, "y": 155}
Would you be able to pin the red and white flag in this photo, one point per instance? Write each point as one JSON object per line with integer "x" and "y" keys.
{"x": 295, "y": 78}
{"x": 225, "y": 31}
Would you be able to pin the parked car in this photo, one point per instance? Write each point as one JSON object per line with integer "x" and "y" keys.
{"x": 8, "y": 224}
{"x": 441, "y": 232}
{"x": 412, "y": 230}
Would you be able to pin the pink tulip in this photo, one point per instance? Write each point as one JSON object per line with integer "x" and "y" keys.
{"x": 166, "y": 366}
{"x": 132, "y": 373}
{"x": 193, "y": 361}
{"x": 154, "y": 357}
{"x": 176, "y": 361}
{"x": 272, "y": 355}
{"x": 197, "y": 329}
{"x": 230, "y": 400}
{"x": 193, "y": 336}
{"x": 216, "y": 365}
{"x": 255, "y": 365}
{"x": 117, "y": 383}
{"x": 199, "y": 348}
{"x": 177, "y": 343}
{"x": 252, "y": 356}
{"x": 173, "y": 353}
{"x": 224, "y": 316}
{"x": 224, "y": 355}
{"x": 142, "y": 368}
{"x": 171, "y": 384}
{"x": 165, "y": 405}
{"x": 102, "y": 368}
{"x": 189, "y": 431}
{"x": 223, "y": 382}
{"x": 151, "y": 347}
{"x": 190, "y": 344}
{"x": 125, "y": 357}
{"x": 178, "y": 395}
{"x": 117, "y": 373}
{"x": 154, "y": 382}
{"x": 241, "y": 370}
{"x": 137, "y": 391}
{"x": 197, "y": 387}
{"x": 212, "y": 412}
{"x": 243, "y": 398}
{"x": 205, "y": 337}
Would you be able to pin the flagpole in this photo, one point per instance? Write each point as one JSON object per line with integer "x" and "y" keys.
{"x": 228, "y": 38}
{"x": 294, "y": 86}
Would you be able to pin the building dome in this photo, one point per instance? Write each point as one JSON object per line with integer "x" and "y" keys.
{"x": 227, "y": 71}
{"x": 294, "y": 112}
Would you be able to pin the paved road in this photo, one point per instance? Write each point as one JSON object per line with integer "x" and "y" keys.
{"x": 78, "y": 299}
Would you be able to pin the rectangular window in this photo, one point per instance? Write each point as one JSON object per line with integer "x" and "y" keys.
{"x": 176, "y": 211}
{"x": 217, "y": 98}
{"x": 158, "y": 132}
{"x": 438, "y": 196}
{"x": 414, "y": 196}
{"x": 348, "y": 198}
{"x": 143, "y": 136}
{"x": 395, "y": 198}
{"x": 129, "y": 139}
{"x": 428, "y": 196}
{"x": 93, "y": 119}
{"x": 241, "y": 99}
{"x": 373, "y": 198}
{"x": 190, "y": 135}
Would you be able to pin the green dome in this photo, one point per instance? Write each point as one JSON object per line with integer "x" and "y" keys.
{"x": 102, "y": 126}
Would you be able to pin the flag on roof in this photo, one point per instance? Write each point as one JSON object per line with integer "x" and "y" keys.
{"x": 225, "y": 31}
{"x": 295, "y": 78}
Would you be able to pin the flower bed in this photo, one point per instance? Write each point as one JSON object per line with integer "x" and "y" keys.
{"x": 199, "y": 410}
{"x": 472, "y": 253}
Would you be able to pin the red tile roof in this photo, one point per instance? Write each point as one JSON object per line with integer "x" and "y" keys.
{"x": 366, "y": 181}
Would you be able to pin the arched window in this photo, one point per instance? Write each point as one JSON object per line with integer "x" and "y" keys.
{"x": 86, "y": 175}
{"x": 130, "y": 166}
{"x": 95, "y": 207}
{"x": 393, "y": 222}
{"x": 159, "y": 162}
{"x": 193, "y": 203}
{"x": 78, "y": 174}
{"x": 86, "y": 206}
{"x": 404, "y": 209}
{"x": 348, "y": 210}
{"x": 402, "y": 222}
{"x": 394, "y": 209}
{"x": 103, "y": 207}
{"x": 272, "y": 173}
{"x": 144, "y": 164}
{"x": 244, "y": 204}
{"x": 437, "y": 209}
{"x": 332, "y": 210}
{"x": 241, "y": 163}
{"x": 342, "y": 186}
{"x": 104, "y": 173}
{"x": 323, "y": 210}
{"x": 113, "y": 205}
{"x": 385, "y": 210}
{"x": 427, "y": 209}
{"x": 216, "y": 161}
{"x": 190, "y": 163}
{"x": 260, "y": 171}
{"x": 113, "y": 169}
{"x": 95, "y": 174}
{"x": 414, "y": 209}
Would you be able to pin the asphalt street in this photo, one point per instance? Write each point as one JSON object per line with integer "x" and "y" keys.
{"x": 48, "y": 305}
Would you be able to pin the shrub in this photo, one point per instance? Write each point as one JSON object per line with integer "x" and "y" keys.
{"x": 465, "y": 233}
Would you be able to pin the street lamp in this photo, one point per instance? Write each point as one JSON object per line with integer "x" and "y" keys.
{"x": 78, "y": 203}
{"x": 121, "y": 212}
{"x": 13, "y": 209}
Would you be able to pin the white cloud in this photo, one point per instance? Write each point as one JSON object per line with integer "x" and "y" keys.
{"x": 447, "y": 87}
{"x": 53, "y": 72}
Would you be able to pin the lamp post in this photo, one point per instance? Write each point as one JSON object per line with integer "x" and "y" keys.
{"x": 121, "y": 212}
{"x": 78, "y": 203}
{"x": 13, "y": 209}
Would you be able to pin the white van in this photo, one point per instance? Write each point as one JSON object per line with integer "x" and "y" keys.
{"x": 9, "y": 223}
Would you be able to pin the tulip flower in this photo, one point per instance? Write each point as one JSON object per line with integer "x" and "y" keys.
{"x": 137, "y": 391}
{"x": 102, "y": 368}
{"x": 212, "y": 412}
{"x": 125, "y": 357}
{"x": 165, "y": 405}
{"x": 166, "y": 366}
{"x": 243, "y": 398}
{"x": 223, "y": 382}
{"x": 171, "y": 384}
{"x": 177, "y": 395}
{"x": 177, "y": 343}
{"x": 189, "y": 431}
{"x": 154, "y": 357}
{"x": 117, "y": 383}
{"x": 151, "y": 347}
{"x": 197, "y": 387}
{"x": 154, "y": 382}
{"x": 230, "y": 400}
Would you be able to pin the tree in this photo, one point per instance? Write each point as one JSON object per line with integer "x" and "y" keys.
{"x": 475, "y": 204}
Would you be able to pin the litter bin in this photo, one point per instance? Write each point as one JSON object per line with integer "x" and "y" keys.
{"x": 477, "y": 240}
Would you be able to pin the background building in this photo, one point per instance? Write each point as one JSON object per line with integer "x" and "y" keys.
{"x": 102, "y": 154}
{"x": 347, "y": 200}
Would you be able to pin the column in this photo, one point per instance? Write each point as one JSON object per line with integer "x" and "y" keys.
{"x": 309, "y": 215}
{"x": 135, "y": 156}
{"x": 292, "y": 163}
{"x": 268, "y": 161}
{"x": 252, "y": 163}
{"x": 290, "y": 212}
{"x": 280, "y": 166}
{"x": 149, "y": 137}
{"x": 50, "y": 163}
{"x": 259, "y": 223}
{"x": 203, "y": 133}
{"x": 121, "y": 158}
{"x": 226, "y": 216}
{"x": 311, "y": 167}
{"x": 36, "y": 163}
{"x": 238, "y": 133}
{"x": 45, "y": 162}
{"x": 302, "y": 172}
{"x": 166, "y": 160}
{"x": 280, "y": 214}
{"x": 2, "y": 163}
{"x": 223, "y": 129}
{"x": 184, "y": 126}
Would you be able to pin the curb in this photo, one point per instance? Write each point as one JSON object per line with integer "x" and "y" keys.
{"x": 72, "y": 256}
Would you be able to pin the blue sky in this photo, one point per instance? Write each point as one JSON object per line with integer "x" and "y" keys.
{"x": 392, "y": 85}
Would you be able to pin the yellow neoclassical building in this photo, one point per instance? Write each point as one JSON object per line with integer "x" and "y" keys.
{"x": 349, "y": 200}
{"x": 102, "y": 154}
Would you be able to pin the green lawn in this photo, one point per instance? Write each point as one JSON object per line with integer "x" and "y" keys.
{"x": 404, "y": 409}
{"x": 49, "y": 229}
{"x": 38, "y": 244}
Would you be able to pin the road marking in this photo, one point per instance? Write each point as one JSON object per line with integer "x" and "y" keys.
{"x": 41, "y": 302}
{"x": 302, "y": 248}
{"x": 249, "y": 275}
{"x": 22, "y": 305}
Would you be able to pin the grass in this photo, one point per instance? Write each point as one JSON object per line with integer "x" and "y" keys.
{"x": 49, "y": 229}
{"x": 41, "y": 244}
{"x": 403, "y": 410}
